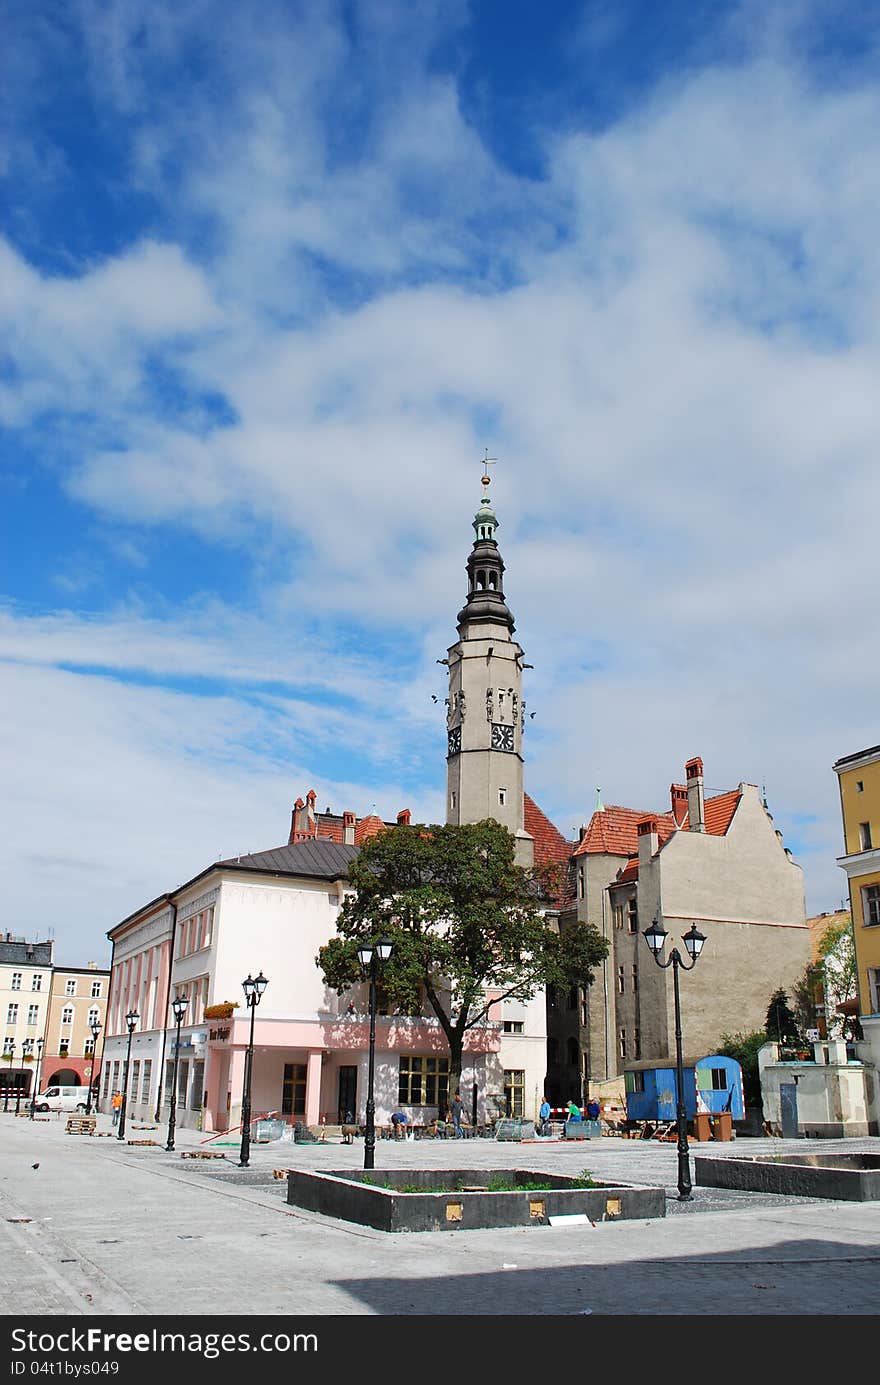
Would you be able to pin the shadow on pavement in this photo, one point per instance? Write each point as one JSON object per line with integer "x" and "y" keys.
{"x": 794, "y": 1277}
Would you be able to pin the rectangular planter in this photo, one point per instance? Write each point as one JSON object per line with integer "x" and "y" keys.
{"x": 845, "y": 1177}
{"x": 435, "y": 1206}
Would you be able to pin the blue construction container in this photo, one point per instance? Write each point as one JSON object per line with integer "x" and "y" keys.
{"x": 651, "y": 1088}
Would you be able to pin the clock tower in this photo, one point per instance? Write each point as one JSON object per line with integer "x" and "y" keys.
{"x": 485, "y": 710}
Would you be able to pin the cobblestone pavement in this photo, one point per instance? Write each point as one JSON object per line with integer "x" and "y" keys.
{"x": 101, "y": 1226}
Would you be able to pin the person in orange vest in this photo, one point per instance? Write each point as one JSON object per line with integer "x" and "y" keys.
{"x": 116, "y": 1105}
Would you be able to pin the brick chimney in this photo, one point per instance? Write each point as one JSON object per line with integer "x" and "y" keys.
{"x": 679, "y": 795}
{"x": 403, "y": 817}
{"x": 348, "y": 826}
{"x": 693, "y": 771}
{"x": 649, "y": 840}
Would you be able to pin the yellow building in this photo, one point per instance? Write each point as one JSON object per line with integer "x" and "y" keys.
{"x": 859, "y": 779}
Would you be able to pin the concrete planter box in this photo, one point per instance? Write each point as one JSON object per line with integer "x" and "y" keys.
{"x": 846, "y": 1177}
{"x": 344, "y": 1193}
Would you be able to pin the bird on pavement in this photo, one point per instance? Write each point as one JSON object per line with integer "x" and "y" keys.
{"x": 35, "y": 1166}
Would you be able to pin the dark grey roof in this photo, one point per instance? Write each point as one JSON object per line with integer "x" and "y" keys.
{"x": 847, "y": 759}
{"x": 325, "y": 859}
{"x": 28, "y": 954}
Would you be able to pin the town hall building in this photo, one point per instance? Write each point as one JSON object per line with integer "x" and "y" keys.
{"x": 717, "y": 861}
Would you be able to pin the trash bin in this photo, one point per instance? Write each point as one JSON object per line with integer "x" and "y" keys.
{"x": 722, "y": 1126}
{"x": 702, "y": 1126}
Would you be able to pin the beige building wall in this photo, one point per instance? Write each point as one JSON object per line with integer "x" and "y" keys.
{"x": 77, "y": 994}
{"x": 747, "y": 896}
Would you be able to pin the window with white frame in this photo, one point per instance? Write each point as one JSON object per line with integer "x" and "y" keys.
{"x": 96, "y": 990}
{"x": 135, "y": 1078}
{"x": 67, "y": 1015}
{"x": 12, "y": 1014}
{"x": 146, "y": 1079}
{"x": 89, "y": 1046}
{"x": 874, "y": 989}
{"x": 94, "y": 1015}
{"x": 871, "y": 902}
{"x": 37, "y": 981}
{"x": 15, "y": 984}
{"x": 70, "y": 987}
{"x": 33, "y": 1014}
{"x": 8, "y": 1045}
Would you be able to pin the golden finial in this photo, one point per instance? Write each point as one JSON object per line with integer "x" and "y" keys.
{"x": 487, "y": 462}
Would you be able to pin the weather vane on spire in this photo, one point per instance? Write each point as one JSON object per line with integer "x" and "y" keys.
{"x": 487, "y": 462}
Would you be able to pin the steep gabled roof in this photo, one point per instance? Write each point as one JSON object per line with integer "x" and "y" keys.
{"x": 613, "y": 831}
{"x": 550, "y": 845}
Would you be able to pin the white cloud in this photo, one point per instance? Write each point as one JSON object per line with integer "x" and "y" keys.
{"x": 671, "y": 342}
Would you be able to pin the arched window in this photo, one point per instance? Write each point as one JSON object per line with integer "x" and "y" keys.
{"x": 481, "y": 580}
{"x": 493, "y": 580}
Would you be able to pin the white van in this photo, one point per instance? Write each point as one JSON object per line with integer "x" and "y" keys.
{"x": 62, "y": 1099}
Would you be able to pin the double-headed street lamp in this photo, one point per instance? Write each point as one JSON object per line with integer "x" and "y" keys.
{"x": 36, "y": 1078}
{"x": 254, "y": 987}
{"x": 95, "y": 1026}
{"x": 655, "y": 937}
{"x": 131, "y": 1020}
{"x": 178, "y": 1005}
{"x": 371, "y": 957}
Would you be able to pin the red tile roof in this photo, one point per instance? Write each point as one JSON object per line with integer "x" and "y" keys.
{"x": 613, "y": 831}
{"x": 369, "y": 827}
{"x": 720, "y": 811}
{"x": 629, "y": 872}
{"x": 550, "y": 845}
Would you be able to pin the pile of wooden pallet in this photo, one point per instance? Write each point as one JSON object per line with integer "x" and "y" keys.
{"x": 81, "y": 1125}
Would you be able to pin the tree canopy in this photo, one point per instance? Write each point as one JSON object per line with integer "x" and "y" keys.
{"x": 463, "y": 918}
{"x": 780, "y": 1022}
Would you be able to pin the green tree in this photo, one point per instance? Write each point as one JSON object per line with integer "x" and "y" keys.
{"x": 837, "y": 960}
{"x": 463, "y": 917}
{"x": 780, "y": 1022}
{"x": 744, "y": 1048}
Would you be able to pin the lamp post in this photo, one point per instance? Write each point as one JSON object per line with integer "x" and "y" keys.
{"x": 655, "y": 937}
{"x": 8, "y": 1054}
{"x": 36, "y": 1078}
{"x": 254, "y": 987}
{"x": 178, "y": 1005}
{"x": 95, "y": 1027}
{"x": 131, "y": 1020}
{"x": 370, "y": 958}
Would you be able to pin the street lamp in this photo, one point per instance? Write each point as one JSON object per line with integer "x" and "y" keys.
{"x": 655, "y": 937}
{"x": 8, "y": 1054}
{"x": 95, "y": 1026}
{"x": 370, "y": 958}
{"x": 131, "y": 1020}
{"x": 178, "y": 1005}
{"x": 254, "y": 987}
{"x": 36, "y": 1078}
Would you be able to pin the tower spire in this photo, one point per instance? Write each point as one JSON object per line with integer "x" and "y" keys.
{"x": 485, "y": 568}
{"x": 485, "y": 710}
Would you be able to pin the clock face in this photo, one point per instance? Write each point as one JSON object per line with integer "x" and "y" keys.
{"x": 455, "y": 740}
{"x": 502, "y": 736}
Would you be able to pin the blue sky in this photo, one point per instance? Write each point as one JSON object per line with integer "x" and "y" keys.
{"x": 273, "y": 276}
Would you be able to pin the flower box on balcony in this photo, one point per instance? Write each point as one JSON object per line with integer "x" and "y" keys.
{"x": 223, "y": 1011}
